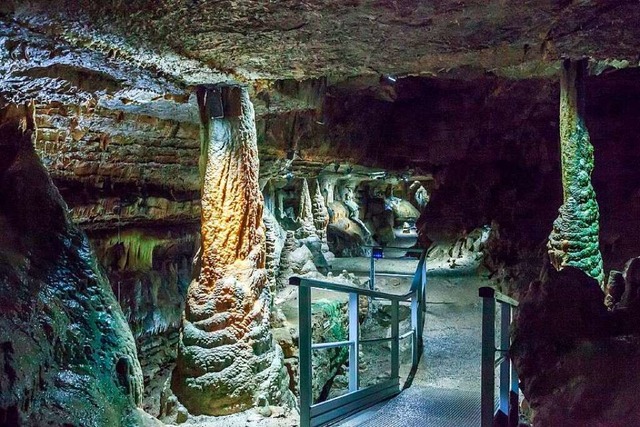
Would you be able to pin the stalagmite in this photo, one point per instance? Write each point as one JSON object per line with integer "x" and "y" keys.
{"x": 227, "y": 361}
{"x": 320, "y": 213}
{"x": 574, "y": 238}
{"x": 305, "y": 217}
{"x": 275, "y": 238}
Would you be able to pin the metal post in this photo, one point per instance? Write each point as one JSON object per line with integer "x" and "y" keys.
{"x": 505, "y": 321}
{"x": 415, "y": 326}
{"x": 304, "y": 307}
{"x": 488, "y": 355}
{"x": 514, "y": 398}
{"x": 354, "y": 348}
{"x": 372, "y": 272}
{"x": 395, "y": 341}
{"x": 422, "y": 299}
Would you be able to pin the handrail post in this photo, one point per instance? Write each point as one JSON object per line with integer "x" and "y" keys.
{"x": 354, "y": 347}
{"x": 488, "y": 353}
{"x": 395, "y": 342}
{"x": 514, "y": 399}
{"x": 415, "y": 325}
{"x": 372, "y": 272}
{"x": 418, "y": 307}
{"x": 505, "y": 365}
{"x": 306, "y": 398}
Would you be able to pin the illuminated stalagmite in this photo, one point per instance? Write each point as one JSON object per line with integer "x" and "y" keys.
{"x": 227, "y": 361}
{"x": 574, "y": 239}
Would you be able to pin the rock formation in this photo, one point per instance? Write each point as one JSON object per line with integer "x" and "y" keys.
{"x": 305, "y": 215}
{"x": 574, "y": 239}
{"x": 68, "y": 354}
{"x": 459, "y": 98}
{"x": 320, "y": 213}
{"x": 275, "y": 237}
{"x": 577, "y": 362}
{"x": 227, "y": 361}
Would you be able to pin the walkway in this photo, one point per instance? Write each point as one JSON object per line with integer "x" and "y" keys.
{"x": 446, "y": 388}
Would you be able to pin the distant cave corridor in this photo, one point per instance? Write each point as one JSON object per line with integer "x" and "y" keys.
{"x": 150, "y": 225}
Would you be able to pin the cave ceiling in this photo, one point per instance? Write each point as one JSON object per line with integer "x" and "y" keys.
{"x": 187, "y": 42}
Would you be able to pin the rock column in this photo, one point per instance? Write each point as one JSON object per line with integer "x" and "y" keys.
{"x": 227, "y": 361}
{"x": 574, "y": 239}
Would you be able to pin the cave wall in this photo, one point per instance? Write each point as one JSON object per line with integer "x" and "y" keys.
{"x": 130, "y": 179}
{"x": 118, "y": 132}
{"x": 487, "y": 151}
{"x": 68, "y": 355}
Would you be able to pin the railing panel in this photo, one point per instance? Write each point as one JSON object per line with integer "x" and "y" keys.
{"x": 488, "y": 356}
{"x": 505, "y": 366}
{"x": 357, "y": 398}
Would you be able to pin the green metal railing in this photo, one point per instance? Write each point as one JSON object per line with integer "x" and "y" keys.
{"x": 506, "y": 413}
{"x": 357, "y": 398}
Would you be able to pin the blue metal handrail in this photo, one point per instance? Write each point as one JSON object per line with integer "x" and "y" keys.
{"x": 312, "y": 415}
{"x": 506, "y": 413}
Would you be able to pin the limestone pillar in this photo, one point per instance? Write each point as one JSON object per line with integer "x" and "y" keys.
{"x": 226, "y": 359}
{"x": 574, "y": 238}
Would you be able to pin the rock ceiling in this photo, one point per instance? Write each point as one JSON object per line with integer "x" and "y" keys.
{"x": 255, "y": 39}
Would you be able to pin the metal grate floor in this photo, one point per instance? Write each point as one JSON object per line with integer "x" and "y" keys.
{"x": 429, "y": 406}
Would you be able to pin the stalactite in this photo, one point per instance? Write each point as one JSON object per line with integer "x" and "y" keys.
{"x": 226, "y": 360}
{"x": 328, "y": 184}
{"x": 574, "y": 238}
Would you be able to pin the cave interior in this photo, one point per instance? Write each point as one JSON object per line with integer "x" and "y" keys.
{"x": 167, "y": 166}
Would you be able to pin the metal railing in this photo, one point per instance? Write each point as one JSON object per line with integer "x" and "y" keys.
{"x": 357, "y": 398}
{"x": 506, "y": 412}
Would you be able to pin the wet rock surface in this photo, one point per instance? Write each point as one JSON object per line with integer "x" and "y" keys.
{"x": 68, "y": 354}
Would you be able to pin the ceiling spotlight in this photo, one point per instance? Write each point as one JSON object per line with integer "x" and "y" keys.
{"x": 389, "y": 79}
